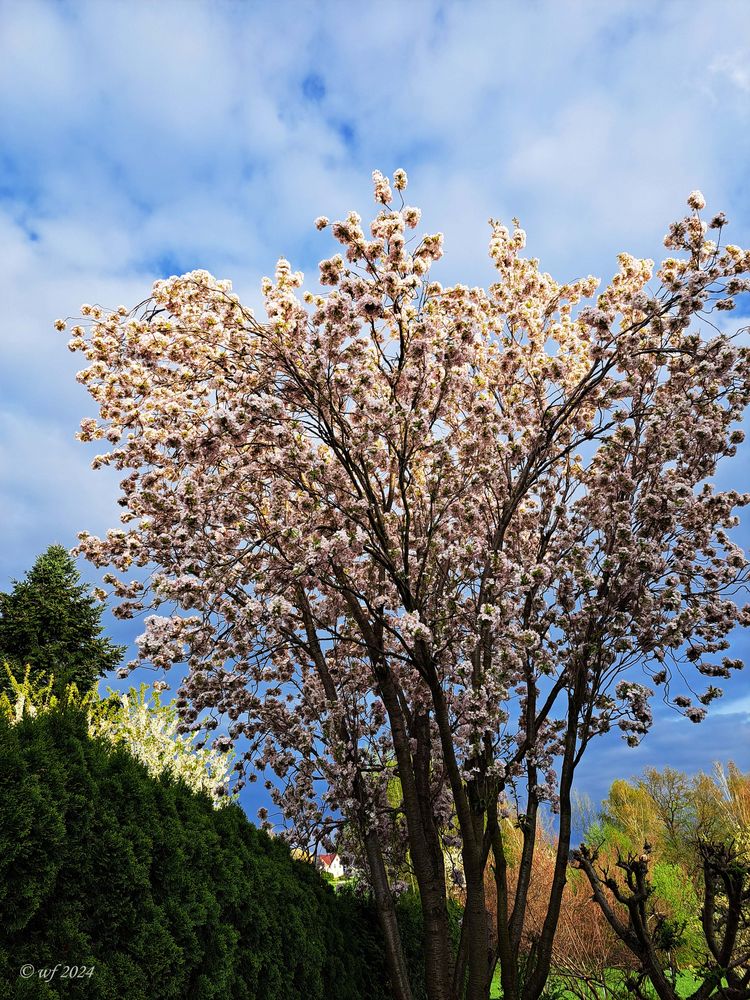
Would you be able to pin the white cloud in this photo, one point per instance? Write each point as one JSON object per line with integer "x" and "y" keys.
{"x": 734, "y": 706}
{"x": 734, "y": 67}
{"x": 46, "y": 486}
{"x": 137, "y": 136}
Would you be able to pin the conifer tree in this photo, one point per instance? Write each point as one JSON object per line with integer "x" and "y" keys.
{"x": 51, "y": 621}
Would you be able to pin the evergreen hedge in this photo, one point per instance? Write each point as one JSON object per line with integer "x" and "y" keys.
{"x": 168, "y": 898}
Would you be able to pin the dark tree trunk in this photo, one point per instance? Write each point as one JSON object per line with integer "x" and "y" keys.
{"x": 475, "y": 917}
{"x": 507, "y": 952}
{"x": 424, "y": 842}
{"x": 395, "y": 961}
{"x": 542, "y": 960}
{"x": 386, "y": 911}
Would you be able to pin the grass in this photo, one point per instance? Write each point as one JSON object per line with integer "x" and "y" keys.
{"x": 687, "y": 982}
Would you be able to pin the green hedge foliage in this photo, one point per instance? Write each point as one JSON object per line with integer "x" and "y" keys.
{"x": 168, "y": 898}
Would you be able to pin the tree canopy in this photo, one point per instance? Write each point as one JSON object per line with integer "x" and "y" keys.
{"x": 467, "y": 530}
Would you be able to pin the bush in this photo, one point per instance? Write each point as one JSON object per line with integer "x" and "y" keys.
{"x": 168, "y": 898}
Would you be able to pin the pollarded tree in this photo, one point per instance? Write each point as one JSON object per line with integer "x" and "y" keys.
{"x": 52, "y": 621}
{"x": 457, "y": 528}
{"x": 653, "y": 938}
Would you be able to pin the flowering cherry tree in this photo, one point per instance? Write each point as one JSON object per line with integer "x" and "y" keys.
{"x": 438, "y": 537}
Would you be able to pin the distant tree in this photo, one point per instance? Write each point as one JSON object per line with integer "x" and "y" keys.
{"x": 673, "y": 794}
{"x": 628, "y": 817}
{"x": 659, "y": 806}
{"x": 673, "y": 812}
{"x": 51, "y": 621}
{"x": 723, "y": 805}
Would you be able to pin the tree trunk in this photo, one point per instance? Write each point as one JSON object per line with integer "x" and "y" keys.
{"x": 461, "y": 964}
{"x": 424, "y": 842}
{"x": 540, "y": 967}
{"x": 507, "y": 951}
{"x": 437, "y": 951}
{"x": 471, "y": 825}
{"x": 475, "y": 916}
{"x": 394, "y": 955}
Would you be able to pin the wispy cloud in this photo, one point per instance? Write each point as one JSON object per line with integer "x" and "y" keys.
{"x": 735, "y": 706}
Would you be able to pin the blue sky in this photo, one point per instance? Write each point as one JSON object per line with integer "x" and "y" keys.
{"x": 143, "y": 139}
